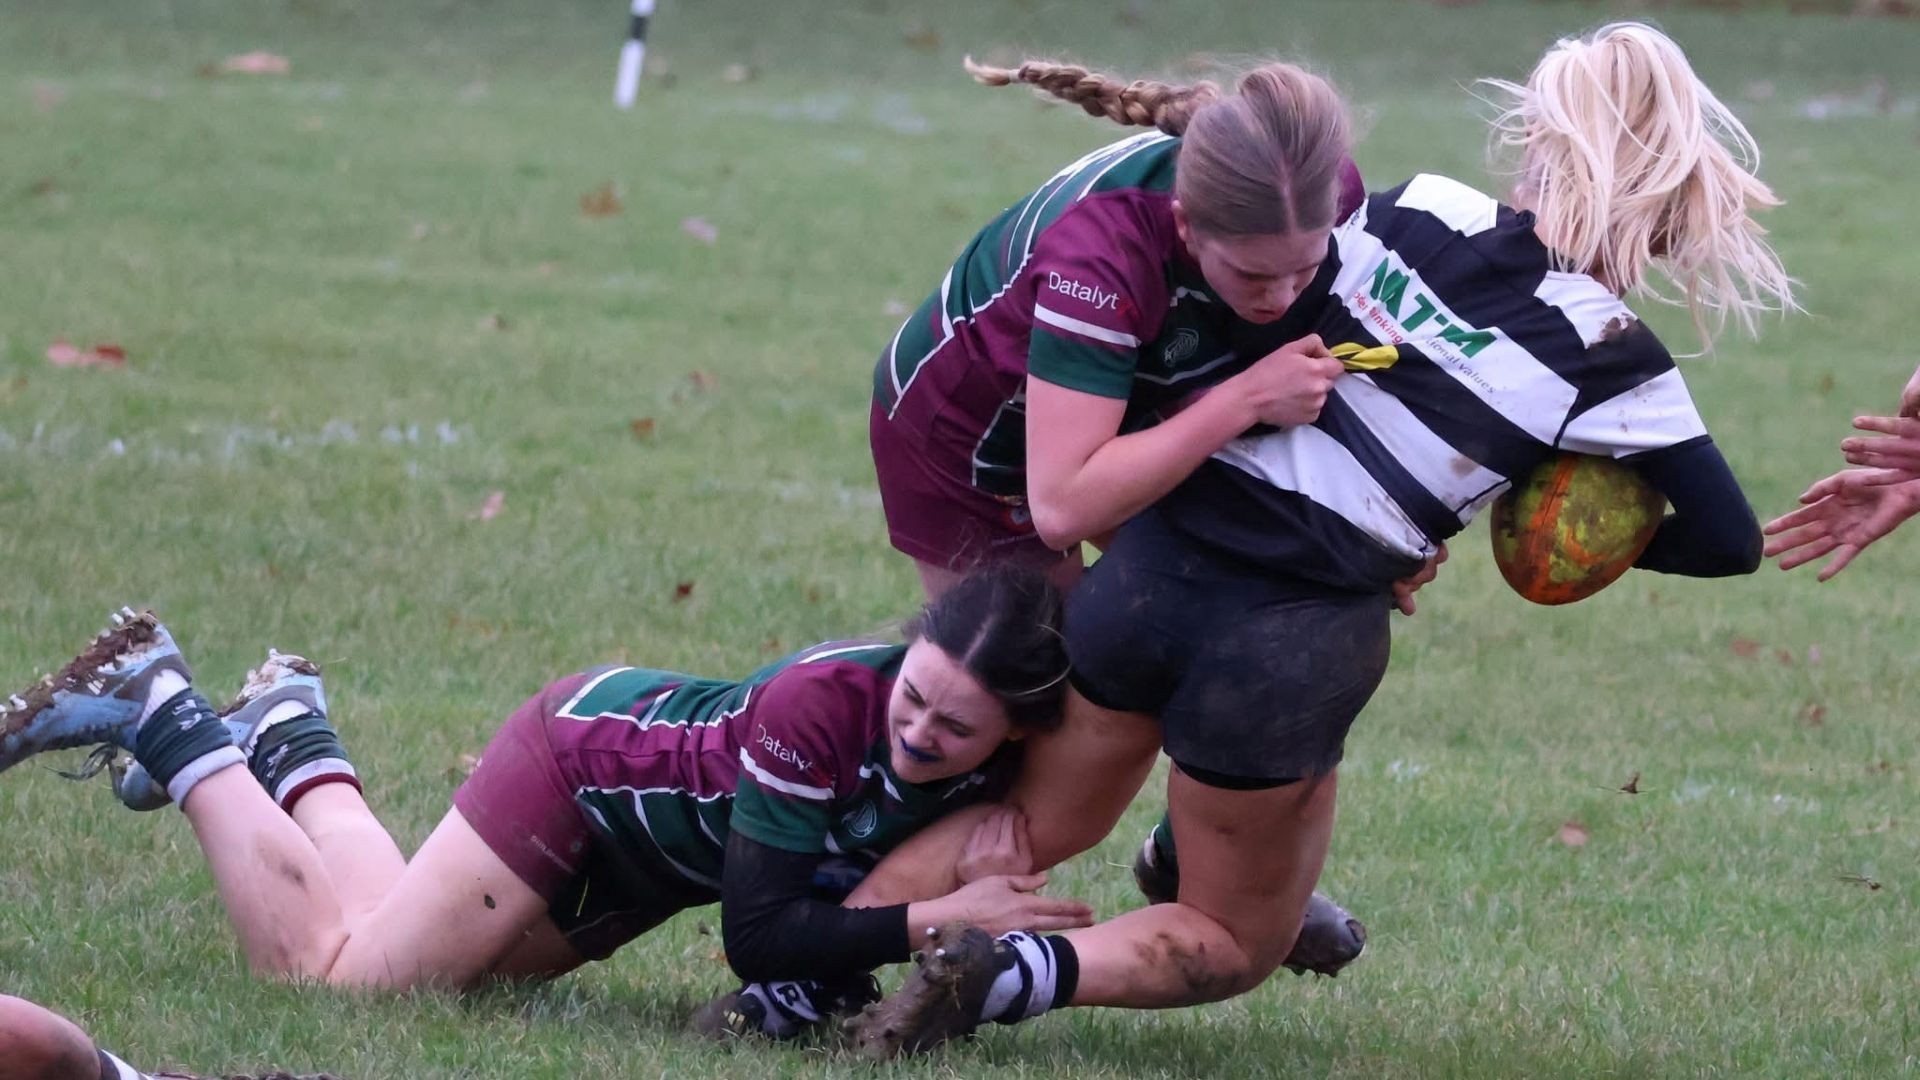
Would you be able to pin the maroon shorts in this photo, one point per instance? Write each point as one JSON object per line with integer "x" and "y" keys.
{"x": 935, "y": 515}
{"x": 521, "y": 803}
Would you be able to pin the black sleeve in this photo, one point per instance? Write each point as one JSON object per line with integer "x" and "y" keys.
{"x": 1712, "y": 531}
{"x": 773, "y": 928}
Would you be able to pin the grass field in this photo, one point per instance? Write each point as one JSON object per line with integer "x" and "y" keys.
{"x": 359, "y": 299}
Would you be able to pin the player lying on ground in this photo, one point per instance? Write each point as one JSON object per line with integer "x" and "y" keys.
{"x": 1243, "y": 618}
{"x": 605, "y": 804}
{"x": 38, "y": 1044}
{"x": 1844, "y": 513}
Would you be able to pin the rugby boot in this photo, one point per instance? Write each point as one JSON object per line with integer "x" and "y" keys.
{"x": 1330, "y": 937}
{"x": 283, "y": 677}
{"x": 782, "y": 1010}
{"x": 941, "y": 1000}
{"x": 99, "y": 698}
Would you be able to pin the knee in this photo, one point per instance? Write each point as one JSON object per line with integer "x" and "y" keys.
{"x": 38, "y": 1044}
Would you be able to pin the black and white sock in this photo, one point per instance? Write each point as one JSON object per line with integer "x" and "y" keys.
{"x": 112, "y": 1068}
{"x": 182, "y": 742}
{"x": 1044, "y": 974}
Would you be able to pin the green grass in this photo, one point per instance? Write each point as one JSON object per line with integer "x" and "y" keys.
{"x": 303, "y": 271}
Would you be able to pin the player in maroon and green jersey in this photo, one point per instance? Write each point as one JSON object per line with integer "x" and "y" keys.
{"x": 1025, "y": 406}
{"x": 606, "y": 803}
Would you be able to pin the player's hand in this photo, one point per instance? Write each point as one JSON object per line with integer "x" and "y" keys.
{"x": 1843, "y": 514}
{"x": 999, "y": 845}
{"x": 1404, "y": 589}
{"x": 1289, "y": 386}
{"x": 1910, "y": 397}
{"x": 1897, "y": 445}
{"x": 1006, "y": 902}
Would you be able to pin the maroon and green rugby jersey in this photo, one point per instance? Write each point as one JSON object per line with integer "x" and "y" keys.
{"x": 1085, "y": 284}
{"x": 795, "y": 756}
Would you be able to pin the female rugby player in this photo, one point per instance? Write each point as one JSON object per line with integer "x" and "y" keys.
{"x": 1242, "y": 619}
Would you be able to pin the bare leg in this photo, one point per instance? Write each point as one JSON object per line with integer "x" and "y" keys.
{"x": 37, "y": 1044}
{"x": 1248, "y": 863}
{"x": 543, "y": 952}
{"x": 361, "y": 858}
{"x": 453, "y": 912}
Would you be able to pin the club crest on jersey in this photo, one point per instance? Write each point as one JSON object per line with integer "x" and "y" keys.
{"x": 1181, "y": 349}
{"x": 781, "y": 751}
{"x": 861, "y": 821}
{"x": 1090, "y": 294}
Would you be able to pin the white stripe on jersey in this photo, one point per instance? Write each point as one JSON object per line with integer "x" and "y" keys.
{"x": 1045, "y": 314}
{"x": 1467, "y": 211}
{"x": 1657, "y": 413}
{"x": 1453, "y": 478}
{"x": 1504, "y": 375}
{"x": 1586, "y": 303}
{"x": 1313, "y": 463}
{"x": 787, "y": 787}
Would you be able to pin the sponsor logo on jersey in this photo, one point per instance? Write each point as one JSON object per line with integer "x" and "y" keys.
{"x": 781, "y": 751}
{"x": 1390, "y": 310}
{"x": 1098, "y": 297}
{"x": 862, "y": 820}
{"x": 1182, "y": 347}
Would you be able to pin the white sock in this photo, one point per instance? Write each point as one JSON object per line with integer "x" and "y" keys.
{"x": 164, "y": 686}
{"x": 199, "y": 769}
{"x": 286, "y": 710}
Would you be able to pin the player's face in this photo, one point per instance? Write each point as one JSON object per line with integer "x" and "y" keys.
{"x": 1259, "y": 277}
{"x": 940, "y": 722}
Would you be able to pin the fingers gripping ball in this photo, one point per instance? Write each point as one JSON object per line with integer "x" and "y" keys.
{"x": 1572, "y": 526}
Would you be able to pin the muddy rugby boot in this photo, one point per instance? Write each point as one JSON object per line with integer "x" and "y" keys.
{"x": 940, "y": 1000}
{"x": 98, "y": 699}
{"x": 1330, "y": 937}
{"x": 283, "y": 677}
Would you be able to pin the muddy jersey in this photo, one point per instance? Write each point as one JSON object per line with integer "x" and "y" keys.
{"x": 1084, "y": 284}
{"x": 1487, "y": 358}
{"x": 794, "y": 756}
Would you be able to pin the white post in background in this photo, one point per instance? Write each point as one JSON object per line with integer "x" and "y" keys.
{"x": 626, "y": 82}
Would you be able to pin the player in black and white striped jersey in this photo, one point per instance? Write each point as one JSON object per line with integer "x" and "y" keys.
{"x": 1242, "y": 620}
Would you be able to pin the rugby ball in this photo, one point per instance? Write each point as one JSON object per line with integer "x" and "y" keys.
{"x": 1572, "y": 526}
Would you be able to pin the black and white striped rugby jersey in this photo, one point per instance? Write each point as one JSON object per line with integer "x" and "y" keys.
{"x": 1496, "y": 359}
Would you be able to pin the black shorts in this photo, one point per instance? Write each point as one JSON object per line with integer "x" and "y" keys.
{"x": 1253, "y": 676}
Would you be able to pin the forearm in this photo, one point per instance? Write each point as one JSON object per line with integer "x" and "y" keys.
{"x": 773, "y": 929}
{"x": 924, "y": 866}
{"x": 1712, "y": 531}
{"x": 1128, "y": 473}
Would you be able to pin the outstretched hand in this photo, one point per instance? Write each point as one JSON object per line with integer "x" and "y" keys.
{"x": 1842, "y": 515}
{"x": 1005, "y": 902}
{"x": 1404, "y": 589}
{"x": 1895, "y": 444}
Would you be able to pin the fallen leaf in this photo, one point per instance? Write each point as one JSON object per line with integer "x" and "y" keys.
{"x": 65, "y": 354}
{"x": 493, "y": 321}
{"x": 45, "y": 185}
{"x": 1825, "y": 384}
{"x": 922, "y": 37}
{"x": 813, "y": 594}
{"x": 1784, "y": 657}
{"x": 1861, "y": 879}
{"x": 642, "y": 428}
{"x": 490, "y": 509}
{"x": 1632, "y": 786}
{"x": 702, "y": 381}
{"x": 1874, "y": 830}
{"x": 682, "y": 591}
{"x": 1745, "y": 648}
{"x": 737, "y": 73}
{"x": 602, "y": 201}
{"x": 1813, "y": 714}
{"x": 771, "y": 645}
{"x": 207, "y": 70}
{"x": 256, "y": 63}
{"x": 700, "y": 229}
{"x": 47, "y": 96}
{"x": 1573, "y": 834}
